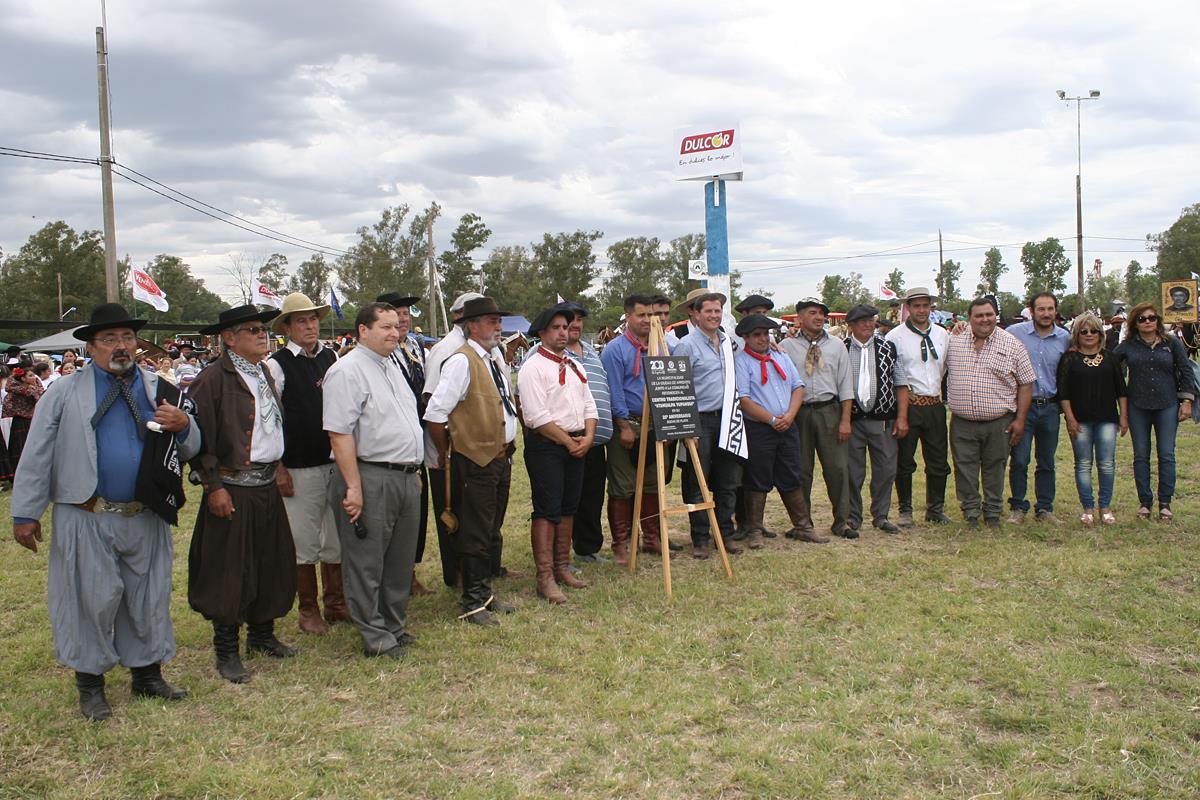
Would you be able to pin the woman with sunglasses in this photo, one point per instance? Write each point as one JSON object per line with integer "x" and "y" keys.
{"x": 1091, "y": 391}
{"x": 1161, "y": 390}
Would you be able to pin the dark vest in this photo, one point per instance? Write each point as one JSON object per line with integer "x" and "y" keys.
{"x": 305, "y": 443}
{"x": 886, "y": 405}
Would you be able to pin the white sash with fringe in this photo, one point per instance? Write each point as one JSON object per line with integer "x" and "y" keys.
{"x": 733, "y": 426}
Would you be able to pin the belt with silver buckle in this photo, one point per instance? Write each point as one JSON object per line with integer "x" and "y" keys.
{"x": 408, "y": 468}
{"x": 98, "y": 505}
{"x": 1042, "y": 401}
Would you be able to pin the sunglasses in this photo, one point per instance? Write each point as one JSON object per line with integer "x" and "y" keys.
{"x": 253, "y": 330}
{"x": 1089, "y": 332}
{"x": 1146, "y": 318}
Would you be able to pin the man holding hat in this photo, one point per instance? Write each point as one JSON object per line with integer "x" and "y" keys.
{"x": 242, "y": 564}
{"x": 878, "y": 416}
{"x": 473, "y": 398}
{"x": 921, "y": 352}
{"x": 307, "y": 465}
{"x": 97, "y": 451}
{"x": 371, "y": 415}
{"x": 771, "y": 393}
{"x": 824, "y": 419}
{"x": 560, "y": 425}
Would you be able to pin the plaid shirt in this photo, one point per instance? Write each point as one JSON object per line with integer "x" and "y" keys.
{"x": 983, "y": 384}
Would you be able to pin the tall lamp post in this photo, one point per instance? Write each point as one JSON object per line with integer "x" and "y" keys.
{"x": 1092, "y": 95}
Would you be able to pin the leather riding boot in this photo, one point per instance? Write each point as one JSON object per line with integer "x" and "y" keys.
{"x": 620, "y": 512}
{"x": 541, "y": 535}
{"x": 802, "y": 527}
{"x": 148, "y": 682}
{"x": 335, "y": 598}
{"x": 477, "y": 589}
{"x": 651, "y": 533}
{"x": 756, "y": 504}
{"x": 92, "y": 702}
{"x": 306, "y": 593}
{"x": 229, "y": 659}
{"x": 260, "y": 638}
{"x": 935, "y": 495}
{"x": 562, "y": 555}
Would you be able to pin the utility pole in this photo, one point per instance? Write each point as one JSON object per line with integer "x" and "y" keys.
{"x": 433, "y": 283}
{"x": 106, "y": 160}
{"x": 941, "y": 263}
{"x": 60, "y": 313}
{"x": 1078, "y": 101}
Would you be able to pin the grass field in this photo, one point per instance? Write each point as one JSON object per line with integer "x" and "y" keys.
{"x": 1034, "y": 662}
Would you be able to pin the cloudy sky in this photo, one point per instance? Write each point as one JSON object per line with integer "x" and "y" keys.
{"x": 865, "y": 126}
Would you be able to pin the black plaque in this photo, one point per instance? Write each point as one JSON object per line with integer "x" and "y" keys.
{"x": 672, "y": 393}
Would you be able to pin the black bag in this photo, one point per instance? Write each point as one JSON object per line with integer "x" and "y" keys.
{"x": 159, "y": 483}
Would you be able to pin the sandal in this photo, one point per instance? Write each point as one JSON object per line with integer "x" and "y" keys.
{"x": 1087, "y": 519}
{"x": 1144, "y": 513}
{"x": 1107, "y": 517}
{"x": 1164, "y": 513}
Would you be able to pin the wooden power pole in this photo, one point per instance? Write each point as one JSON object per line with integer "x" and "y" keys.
{"x": 106, "y": 160}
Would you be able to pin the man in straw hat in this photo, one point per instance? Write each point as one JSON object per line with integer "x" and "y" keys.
{"x": 242, "y": 564}
{"x": 95, "y": 450}
{"x": 307, "y": 466}
{"x": 921, "y": 350}
{"x": 474, "y": 400}
{"x": 371, "y": 415}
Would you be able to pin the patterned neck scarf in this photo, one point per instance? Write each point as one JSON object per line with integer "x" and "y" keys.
{"x": 640, "y": 348}
{"x": 122, "y": 387}
{"x": 562, "y": 362}
{"x": 763, "y": 360}
{"x": 268, "y": 408}
{"x": 815, "y": 359}
{"x": 927, "y": 348}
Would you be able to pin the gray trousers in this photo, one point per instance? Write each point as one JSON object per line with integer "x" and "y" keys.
{"x": 377, "y": 570}
{"x": 310, "y": 515}
{"x": 818, "y": 438}
{"x": 873, "y": 437}
{"x": 109, "y": 589}
{"x": 980, "y": 452}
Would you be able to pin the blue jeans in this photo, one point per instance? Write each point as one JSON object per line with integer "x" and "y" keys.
{"x": 1041, "y": 424}
{"x": 1099, "y": 438}
{"x": 1165, "y": 423}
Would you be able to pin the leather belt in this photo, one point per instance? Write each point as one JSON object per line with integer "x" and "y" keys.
{"x": 924, "y": 400}
{"x": 710, "y": 413}
{"x": 257, "y": 475}
{"x": 406, "y": 468}
{"x": 820, "y": 403}
{"x": 1042, "y": 401}
{"x": 577, "y": 434}
{"x": 98, "y": 505}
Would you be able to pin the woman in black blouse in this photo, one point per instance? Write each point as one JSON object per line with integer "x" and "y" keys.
{"x": 1161, "y": 390}
{"x": 1091, "y": 391}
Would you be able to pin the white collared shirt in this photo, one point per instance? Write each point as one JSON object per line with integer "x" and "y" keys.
{"x": 924, "y": 377}
{"x": 456, "y": 380}
{"x": 277, "y": 371}
{"x": 365, "y": 395}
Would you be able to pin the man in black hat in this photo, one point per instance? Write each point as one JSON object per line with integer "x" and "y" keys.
{"x": 242, "y": 563}
{"x": 94, "y": 452}
{"x": 474, "y": 402}
{"x": 751, "y": 306}
{"x": 878, "y": 416}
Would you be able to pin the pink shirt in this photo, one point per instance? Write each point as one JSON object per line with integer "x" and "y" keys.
{"x": 543, "y": 399}
{"x": 983, "y": 384}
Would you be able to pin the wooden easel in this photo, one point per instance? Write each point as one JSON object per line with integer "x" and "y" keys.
{"x": 655, "y": 347}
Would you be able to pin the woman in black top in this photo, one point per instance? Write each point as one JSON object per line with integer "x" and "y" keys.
{"x": 1091, "y": 391}
{"x": 1161, "y": 390}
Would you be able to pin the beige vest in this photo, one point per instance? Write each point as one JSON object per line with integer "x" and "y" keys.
{"x": 477, "y": 423}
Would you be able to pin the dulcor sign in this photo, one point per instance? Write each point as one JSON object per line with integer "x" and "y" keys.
{"x": 704, "y": 151}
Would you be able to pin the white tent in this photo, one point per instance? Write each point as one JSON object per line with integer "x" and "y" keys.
{"x": 55, "y": 342}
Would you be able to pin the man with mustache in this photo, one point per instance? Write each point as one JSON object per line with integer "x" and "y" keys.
{"x": 109, "y": 585}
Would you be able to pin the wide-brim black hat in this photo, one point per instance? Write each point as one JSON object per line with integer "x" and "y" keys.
{"x": 544, "y": 318}
{"x": 754, "y": 301}
{"x": 237, "y": 315}
{"x": 752, "y": 323}
{"x": 481, "y": 307}
{"x": 398, "y": 300}
{"x": 575, "y": 308}
{"x": 105, "y": 317}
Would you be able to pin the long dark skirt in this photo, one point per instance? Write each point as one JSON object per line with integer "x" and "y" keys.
{"x": 10, "y": 457}
{"x": 243, "y": 569}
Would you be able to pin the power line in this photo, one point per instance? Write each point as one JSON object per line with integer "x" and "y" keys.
{"x": 40, "y": 156}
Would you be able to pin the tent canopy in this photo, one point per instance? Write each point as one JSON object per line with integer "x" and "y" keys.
{"x": 55, "y": 342}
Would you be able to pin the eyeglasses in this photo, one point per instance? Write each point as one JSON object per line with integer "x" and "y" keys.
{"x": 253, "y": 330}
{"x": 1089, "y": 332}
{"x": 113, "y": 341}
{"x": 1146, "y": 318}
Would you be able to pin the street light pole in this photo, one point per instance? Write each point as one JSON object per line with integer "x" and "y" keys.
{"x": 1092, "y": 95}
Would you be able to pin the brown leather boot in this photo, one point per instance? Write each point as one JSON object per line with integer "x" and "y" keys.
{"x": 802, "y": 527}
{"x": 418, "y": 589}
{"x": 541, "y": 536}
{"x": 651, "y": 535}
{"x": 334, "y": 599}
{"x": 756, "y": 504}
{"x": 620, "y": 514}
{"x": 306, "y": 592}
{"x": 562, "y": 555}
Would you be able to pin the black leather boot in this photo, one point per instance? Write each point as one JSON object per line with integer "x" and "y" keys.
{"x": 260, "y": 638}
{"x": 229, "y": 659}
{"x": 477, "y": 590}
{"x": 92, "y": 702}
{"x": 148, "y": 682}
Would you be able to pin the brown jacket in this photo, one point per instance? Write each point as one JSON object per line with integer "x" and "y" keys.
{"x": 225, "y": 414}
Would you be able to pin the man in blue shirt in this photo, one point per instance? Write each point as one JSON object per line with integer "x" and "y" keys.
{"x": 1045, "y": 342}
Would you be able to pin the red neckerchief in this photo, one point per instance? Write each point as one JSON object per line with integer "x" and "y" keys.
{"x": 763, "y": 359}
{"x": 640, "y": 348}
{"x": 562, "y": 362}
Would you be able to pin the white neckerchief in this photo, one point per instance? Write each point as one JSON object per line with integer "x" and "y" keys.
{"x": 864, "y": 374}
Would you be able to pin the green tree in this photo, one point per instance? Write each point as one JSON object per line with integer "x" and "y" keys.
{"x": 511, "y": 277}
{"x": 989, "y": 274}
{"x": 1100, "y": 294}
{"x": 636, "y": 264}
{"x": 311, "y": 278}
{"x": 680, "y": 251}
{"x": 895, "y": 281}
{"x": 189, "y": 300}
{"x": 391, "y": 255}
{"x": 564, "y": 265}
{"x": 30, "y": 276}
{"x": 843, "y": 292}
{"x": 1178, "y": 247}
{"x": 1045, "y": 264}
{"x": 1140, "y": 286}
{"x": 947, "y": 279}
{"x": 457, "y": 270}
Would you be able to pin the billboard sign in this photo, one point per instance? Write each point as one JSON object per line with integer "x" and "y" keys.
{"x": 702, "y": 152}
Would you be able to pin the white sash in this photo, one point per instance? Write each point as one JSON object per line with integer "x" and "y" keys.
{"x": 733, "y": 426}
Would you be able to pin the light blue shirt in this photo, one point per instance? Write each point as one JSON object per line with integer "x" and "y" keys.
{"x": 776, "y": 394}
{"x": 627, "y": 391}
{"x": 708, "y": 368}
{"x": 118, "y": 445}
{"x": 1044, "y": 352}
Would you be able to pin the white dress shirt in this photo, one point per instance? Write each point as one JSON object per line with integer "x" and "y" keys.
{"x": 364, "y": 394}
{"x": 456, "y": 380}
{"x": 924, "y": 377}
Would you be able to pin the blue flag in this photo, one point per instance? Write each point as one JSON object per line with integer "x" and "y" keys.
{"x": 334, "y": 304}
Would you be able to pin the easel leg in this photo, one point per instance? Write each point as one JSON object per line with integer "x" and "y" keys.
{"x": 707, "y": 497}
{"x": 635, "y": 529}
{"x": 664, "y": 534}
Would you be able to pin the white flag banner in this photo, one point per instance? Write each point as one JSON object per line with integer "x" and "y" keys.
{"x": 263, "y": 296}
{"x": 146, "y": 290}
{"x": 886, "y": 292}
